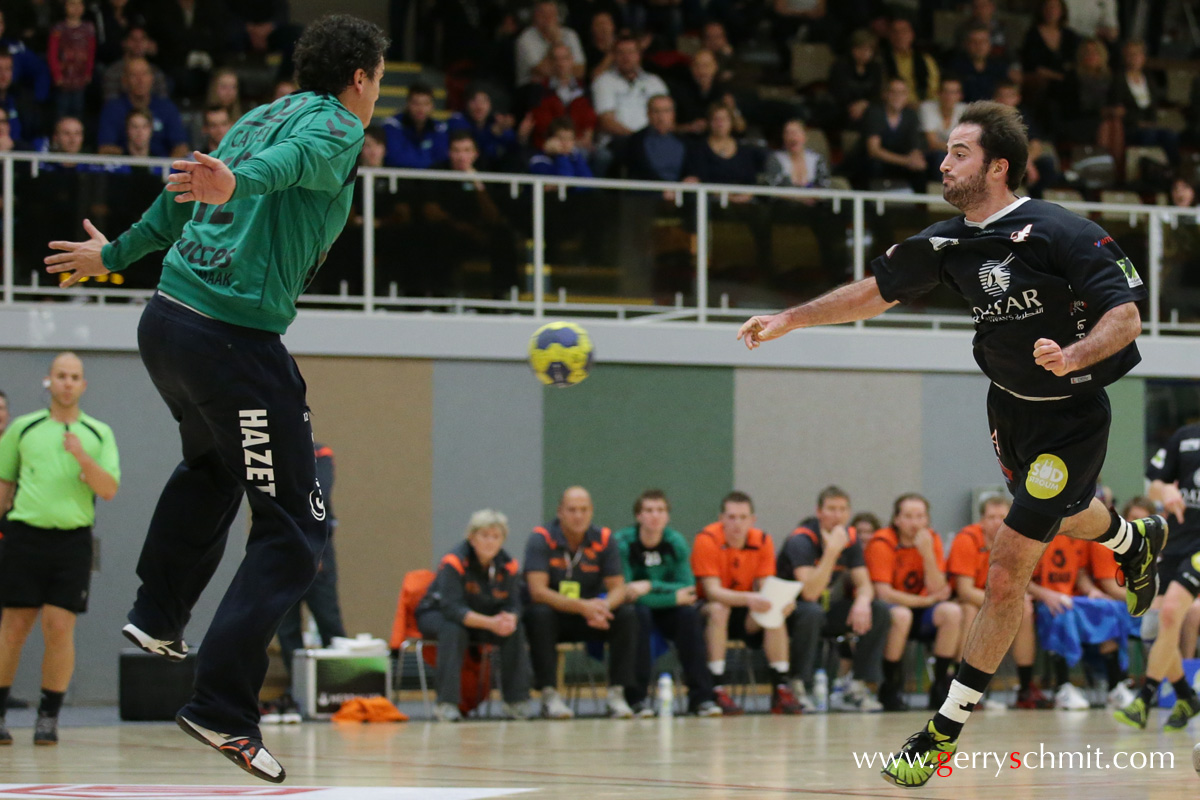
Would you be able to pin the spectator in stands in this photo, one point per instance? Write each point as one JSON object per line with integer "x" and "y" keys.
{"x": 721, "y": 158}
{"x": 1095, "y": 18}
{"x": 983, "y": 16}
{"x": 918, "y": 70}
{"x": 1181, "y": 255}
{"x": 978, "y": 67}
{"x": 224, "y": 90}
{"x": 283, "y": 89}
{"x": 168, "y": 136}
{"x": 656, "y": 152}
{"x": 67, "y": 137}
{"x": 414, "y": 138}
{"x": 1047, "y": 55}
{"x": 620, "y": 94}
{"x": 837, "y": 599}
{"x": 72, "y": 55}
{"x": 893, "y": 151}
{"x": 716, "y": 41}
{"x": 216, "y": 124}
{"x": 29, "y": 69}
{"x": 23, "y": 113}
{"x": 907, "y": 563}
{"x": 1041, "y": 170}
{"x": 856, "y": 79}
{"x": 796, "y": 165}
{"x": 30, "y": 21}
{"x": 865, "y": 523}
{"x": 113, "y": 20}
{"x": 192, "y": 36}
{"x": 696, "y": 94}
{"x": 136, "y": 44}
{"x": 563, "y": 94}
{"x": 534, "y": 62}
{"x": 1066, "y": 622}
{"x": 602, "y": 38}
{"x": 460, "y": 219}
{"x": 139, "y": 130}
{"x": 496, "y": 137}
{"x": 577, "y": 592}
{"x": 266, "y": 27}
{"x": 731, "y": 558}
{"x": 476, "y": 599}
{"x": 1140, "y": 98}
{"x": 1088, "y": 117}
{"x": 7, "y": 143}
{"x": 658, "y": 573}
{"x": 938, "y": 118}
{"x": 560, "y": 155}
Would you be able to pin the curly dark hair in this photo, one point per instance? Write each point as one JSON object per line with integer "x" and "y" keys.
{"x": 333, "y": 48}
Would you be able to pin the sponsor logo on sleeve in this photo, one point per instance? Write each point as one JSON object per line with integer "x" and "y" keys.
{"x": 1160, "y": 458}
{"x": 1131, "y": 274}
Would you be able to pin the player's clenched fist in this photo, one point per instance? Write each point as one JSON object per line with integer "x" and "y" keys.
{"x": 1048, "y": 354}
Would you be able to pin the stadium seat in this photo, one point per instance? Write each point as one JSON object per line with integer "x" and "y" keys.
{"x": 818, "y": 142}
{"x": 1133, "y": 161}
{"x": 810, "y": 63}
{"x": 1063, "y": 196}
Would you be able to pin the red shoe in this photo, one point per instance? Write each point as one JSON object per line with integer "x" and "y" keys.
{"x": 783, "y": 701}
{"x": 1032, "y": 697}
{"x": 725, "y": 702}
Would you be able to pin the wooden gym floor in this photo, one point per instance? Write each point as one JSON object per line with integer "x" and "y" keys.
{"x": 756, "y": 756}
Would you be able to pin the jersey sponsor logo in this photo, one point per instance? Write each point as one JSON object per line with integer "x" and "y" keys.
{"x": 652, "y": 558}
{"x": 260, "y": 470}
{"x": 1189, "y": 446}
{"x": 994, "y": 276}
{"x": 941, "y": 242}
{"x": 1080, "y": 379}
{"x": 1104, "y": 241}
{"x": 1131, "y": 274}
{"x": 1047, "y": 477}
{"x": 1160, "y": 458}
{"x": 1021, "y": 235}
{"x": 1010, "y": 309}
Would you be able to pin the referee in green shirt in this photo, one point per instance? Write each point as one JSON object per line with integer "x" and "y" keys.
{"x": 246, "y": 230}
{"x": 54, "y": 463}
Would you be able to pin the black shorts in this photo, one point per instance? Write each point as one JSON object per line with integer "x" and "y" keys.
{"x": 1050, "y": 451}
{"x": 1183, "y": 568}
{"x": 736, "y": 629}
{"x": 43, "y": 567}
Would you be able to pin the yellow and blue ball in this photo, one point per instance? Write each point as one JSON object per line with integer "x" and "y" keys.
{"x": 560, "y": 354}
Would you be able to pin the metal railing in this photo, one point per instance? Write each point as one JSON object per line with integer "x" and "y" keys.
{"x": 694, "y": 203}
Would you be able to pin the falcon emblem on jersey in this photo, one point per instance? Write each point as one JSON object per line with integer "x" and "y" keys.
{"x": 1021, "y": 235}
{"x": 994, "y": 276}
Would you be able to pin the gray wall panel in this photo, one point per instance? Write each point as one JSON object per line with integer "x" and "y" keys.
{"x": 797, "y": 431}
{"x": 487, "y": 449}
{"x": 119, "y": 393}
{"x": 956, "y": 448}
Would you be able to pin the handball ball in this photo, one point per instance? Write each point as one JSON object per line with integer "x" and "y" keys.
{"x": 560, "y": 354}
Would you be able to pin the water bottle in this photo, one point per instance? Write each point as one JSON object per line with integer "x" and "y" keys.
{"x": 666, "y": 695}
{"x": 821, "y": 691}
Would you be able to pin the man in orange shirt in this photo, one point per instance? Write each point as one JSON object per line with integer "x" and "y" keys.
{"x": 731, "y": 558}
{"x": 968, "y": 567}
{"x": 908, "y": 563}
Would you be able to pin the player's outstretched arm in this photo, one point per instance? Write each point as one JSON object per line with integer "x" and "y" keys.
{"x": 1117, "y": 328}
{"x": 81, "y": 259}
{"x": 849, "y": 303}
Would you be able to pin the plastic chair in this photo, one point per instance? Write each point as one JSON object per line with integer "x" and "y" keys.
{"x": 405, "y": 633}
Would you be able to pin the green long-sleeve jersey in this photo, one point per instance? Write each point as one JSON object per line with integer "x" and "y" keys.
{"x": 246, "y": 261}
{"x": 668, "y": 566}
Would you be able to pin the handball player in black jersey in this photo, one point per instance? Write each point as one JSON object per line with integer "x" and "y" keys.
{"x": 1054, "y": 303}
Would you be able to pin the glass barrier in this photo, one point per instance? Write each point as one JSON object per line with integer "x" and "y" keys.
{"x": 540, "y": 244}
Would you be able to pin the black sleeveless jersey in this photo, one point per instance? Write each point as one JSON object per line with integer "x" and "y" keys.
{"x": 1030, "y": 271}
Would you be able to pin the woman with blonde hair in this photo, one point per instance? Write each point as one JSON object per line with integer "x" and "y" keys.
{"x": 224, "y": 90}
{"x": 475, "y": 599}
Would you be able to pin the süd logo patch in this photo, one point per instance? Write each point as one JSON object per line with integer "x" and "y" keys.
{"x": 1047, "y": 477}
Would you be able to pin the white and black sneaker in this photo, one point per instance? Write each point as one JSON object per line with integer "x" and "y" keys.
{"x": 248, "y": 753}
{"x": 171, "y": 650}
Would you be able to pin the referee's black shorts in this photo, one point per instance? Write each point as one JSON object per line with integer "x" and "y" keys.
{"x": 1182, "y": 568}
{"x": 42, "y": 567}
{"x": 1050, "y": 451}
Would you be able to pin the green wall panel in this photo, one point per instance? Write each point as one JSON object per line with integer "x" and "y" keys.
{"x": 629, "y": 428}
{"x": 1124, "y": 468}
